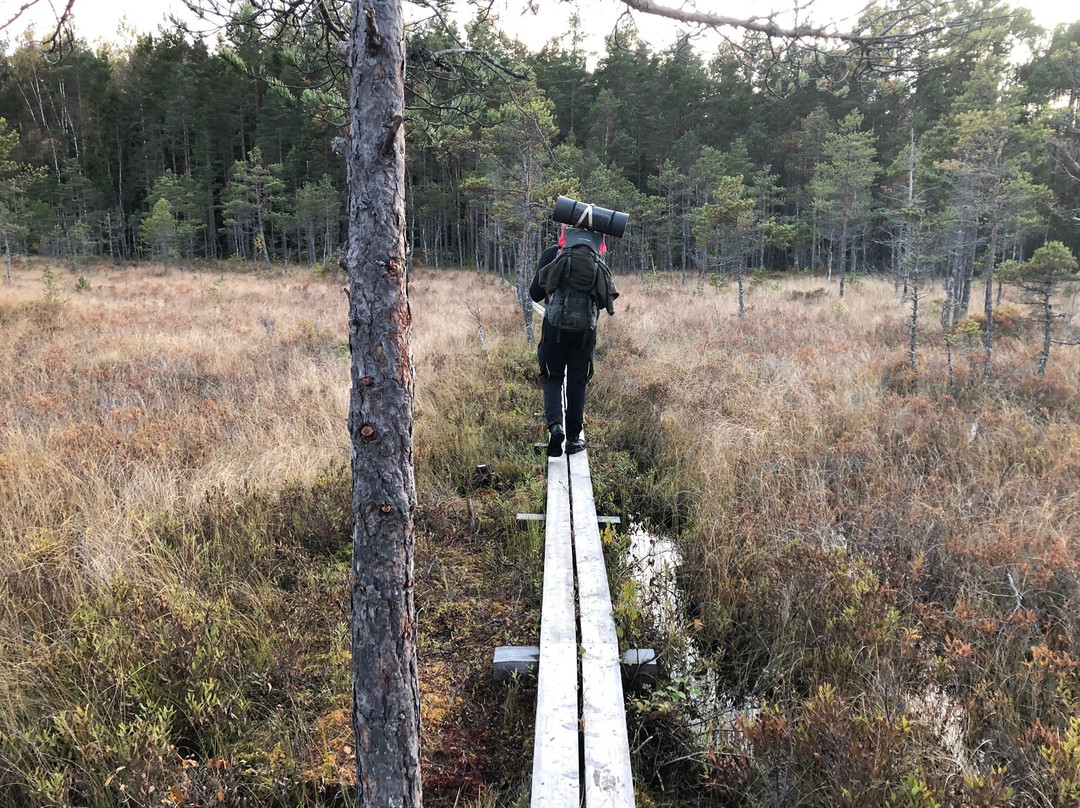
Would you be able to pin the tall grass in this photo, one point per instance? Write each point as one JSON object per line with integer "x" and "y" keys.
{"x": 882, "y": 564}
{"x": 173, "y": 484}
{"x": 174, "y": 537}
{"x": 857, "y": 537}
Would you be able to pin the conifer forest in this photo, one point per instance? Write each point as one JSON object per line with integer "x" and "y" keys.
{"x": 175, "y": 147}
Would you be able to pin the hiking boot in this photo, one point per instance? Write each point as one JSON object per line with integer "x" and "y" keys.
{"x": 555, "y": 440}
{"x": 575, "y": 445}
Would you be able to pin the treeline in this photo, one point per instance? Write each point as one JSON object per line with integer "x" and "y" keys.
{"x": 167, "y": 150}
{"x": 747, "y": 157}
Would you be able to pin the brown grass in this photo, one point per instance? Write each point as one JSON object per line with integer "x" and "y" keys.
{"x": 847, "y": 531}
{"x": 147, "y": 392}
{"x": 174, "y": 537}
{"x": 174, "y": 523}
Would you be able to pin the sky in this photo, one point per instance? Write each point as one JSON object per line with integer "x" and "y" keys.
{"x": 99, "y": 20}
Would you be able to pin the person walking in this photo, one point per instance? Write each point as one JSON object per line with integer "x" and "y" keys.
{"x": 574, "y": 283}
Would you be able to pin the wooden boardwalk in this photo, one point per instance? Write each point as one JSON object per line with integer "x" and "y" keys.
{"x": 581, "y": 753}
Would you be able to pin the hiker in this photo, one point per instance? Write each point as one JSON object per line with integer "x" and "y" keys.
{"x": 574, "y": 283}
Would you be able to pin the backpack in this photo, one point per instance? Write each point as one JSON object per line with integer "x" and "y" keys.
{"x": 572, "y": 274}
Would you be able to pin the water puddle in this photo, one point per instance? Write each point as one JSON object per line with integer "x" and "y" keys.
{"x": 714, "y": 716}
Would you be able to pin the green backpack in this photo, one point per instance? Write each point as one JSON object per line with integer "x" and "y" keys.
{"x": 571, "y": 277}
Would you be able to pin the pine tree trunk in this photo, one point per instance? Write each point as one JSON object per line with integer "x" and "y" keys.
{"x": 265, "y": 250}
{"x": 524, "y": 276}
{"x": 828, "y": 271}
{"x": 843, "y": 256}
{"x": 1048, "y": 324}
{"x": 967, "y": 277}
{"x": 386, "y": 699}
{"x": 742, "y": 299}
{"x": 913, "y": 327}
{"x": 988, "y": 304}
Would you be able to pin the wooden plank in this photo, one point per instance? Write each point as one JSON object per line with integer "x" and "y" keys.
{"x": 556, "y": 781}
{"x": 524, "y": 518}
{"x": 515, "y": 660}
{"x": 607, "y": 778}
{"x": 556, "y": 778}
{"x": 557, "y": 620}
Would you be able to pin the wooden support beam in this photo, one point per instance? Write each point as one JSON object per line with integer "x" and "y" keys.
{"x": 638, "y": 664}
{"x": 515, "y": 660}
{"x": 523, "y": 519}
{"x": 639, "y": 667}
{"x": 556, "y": 780}
{"x": 607, "y": 776}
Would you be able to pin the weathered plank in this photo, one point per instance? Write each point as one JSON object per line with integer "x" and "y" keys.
{"x": 556, "y": 766}
{"x": 515, "y": 660}
{"x": 607, "y": 777}
{"x": 523, "y": 519}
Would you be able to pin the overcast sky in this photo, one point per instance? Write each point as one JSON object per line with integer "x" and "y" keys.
{"x": 100, "y": 19}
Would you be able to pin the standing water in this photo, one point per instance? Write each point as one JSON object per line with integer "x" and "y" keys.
{"x": 714, "y": 716}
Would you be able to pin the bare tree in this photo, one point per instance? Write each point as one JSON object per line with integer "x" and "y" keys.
{"x": 386, "y": 699}
{"x": 53, "y": 43}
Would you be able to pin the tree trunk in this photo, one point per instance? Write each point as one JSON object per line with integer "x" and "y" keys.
{"x": 1048, "y": 323}
{"x": 524, "y": 276}
{"x": 742, "y": 299}
{"x": 7, "y": 252}
{"x": 828, "y": 271}
{"x": 913, "y": 326}
{"x": 967, "y": 276}
{"x": 988, "y": 304}
{"x": 265, "y": 249}
{"x": 843, "y": 255}
{"x": 386, "y": 698}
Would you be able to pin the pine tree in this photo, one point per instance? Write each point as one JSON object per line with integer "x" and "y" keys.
{"x": 1040, "y": 277}
{"x": 253, "y": 200}
{"x": 15, "y": 178}
{"x": 843, "y": 181}
{"x": 516, "y": 144}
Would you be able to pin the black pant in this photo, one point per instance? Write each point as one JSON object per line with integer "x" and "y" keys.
{"x": 566, "y": 355}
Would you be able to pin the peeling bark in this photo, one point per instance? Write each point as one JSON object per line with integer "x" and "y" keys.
{"x": 386, "y": 700}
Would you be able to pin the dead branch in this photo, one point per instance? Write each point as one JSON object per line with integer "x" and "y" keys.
{"x": 54, "y": 42}
{"x": 925, "y": 23}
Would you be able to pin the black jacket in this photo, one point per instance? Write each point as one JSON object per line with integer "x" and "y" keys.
{"x": 536, "y": 291}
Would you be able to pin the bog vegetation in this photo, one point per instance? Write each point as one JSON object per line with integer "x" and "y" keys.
{"x": 879, "y": 565}
{"x": 871, "y": 482}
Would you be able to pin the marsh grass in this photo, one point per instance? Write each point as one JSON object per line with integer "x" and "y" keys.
{"x": 175, "y": 537}
{"x": 173, "y": 502}
{"x": 861, "y": 542}
{"x": 855, "y": 535}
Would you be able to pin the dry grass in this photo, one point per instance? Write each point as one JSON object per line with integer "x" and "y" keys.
{"x": 174, "y": 537}
{"x": 851, "y": 526}
{"x": 174, "y": 523}
{"x": 146, "y": 392}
